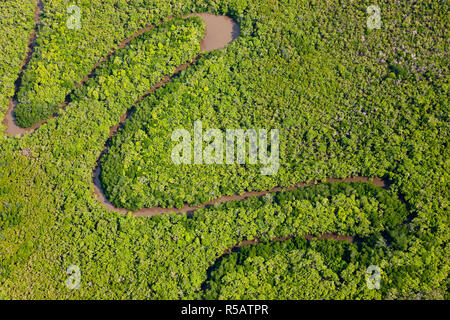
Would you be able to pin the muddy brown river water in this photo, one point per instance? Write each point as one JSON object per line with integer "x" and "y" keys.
{"x": 220, "y": 31}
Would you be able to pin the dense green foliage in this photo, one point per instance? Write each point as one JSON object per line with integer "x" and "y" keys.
{"x": 297, "y": 269}
{"x": 335, "y": 91}
{"x": 360, "y": 209}
{"x": 64, "y": 56}
{"x": 301, "y": 269}
{"x": 315, "y": 269}
{"x": 347, "y": 101}
{"x": 294, "y": 269}
{"x": 16, "y": 18}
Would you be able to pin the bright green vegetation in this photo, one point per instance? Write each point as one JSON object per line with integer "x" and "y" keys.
{"x": 296, "y": 269}
{"x": 63, "y": 56}
{"x": 347, "y": 101}
{"x": 17, "y": 22}
{"x": 316, "y": 269}
{"x": 357, "y": 209}
{"x": 329, "y": 269}
{"x": 194, "y": 243}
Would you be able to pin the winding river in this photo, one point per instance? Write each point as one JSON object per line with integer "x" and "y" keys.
{"x": 220, "y": 31}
